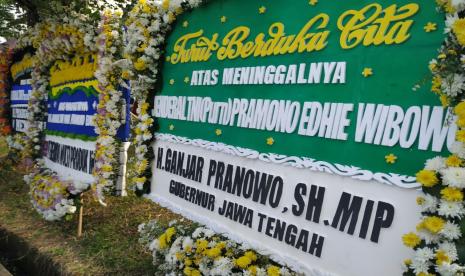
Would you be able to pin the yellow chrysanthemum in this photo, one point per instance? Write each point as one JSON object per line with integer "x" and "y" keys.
{"x": 459, "y": 30}
{"x": 411, "y": 240}
{"x": 441, "y": 257}
{"x": 427, "y": 178}
{"x": 454, "y": 161}
{"x": 243, "y": 262}
{"x": 460, "y": 135}
{"x": 213, "y": 252}
{"x": 433, "y": 224}
{"x": 460, "y": 109}
{"x": 445, "y": 102}
{"x": 408, "y": 262}
{"x": 273, "y": 271}
{"x": 451, "y": 194}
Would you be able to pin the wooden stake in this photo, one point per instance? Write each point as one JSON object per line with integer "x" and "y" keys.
{"x": 81, "y": 210}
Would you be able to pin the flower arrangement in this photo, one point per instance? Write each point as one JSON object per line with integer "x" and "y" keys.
{"x": 52, "y": 197}
{"x": 191, "y": 249}
{"x": 148, "y": 24}
{"x": 109, "y": 110}
{"x": 56, "y": 41}
{"x": 441, "y": 226}
{"x": 5, "y": 59}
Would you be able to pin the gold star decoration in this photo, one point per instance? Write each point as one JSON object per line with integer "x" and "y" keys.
{"x": 185, "y": 24}
{"x": 171, "y": 127}
{"x": 218, "y": 132}
{"x": 313, "y": 2}
{"x": 390, "y": 158}
{"x": 171, "y": 81}
{"x": 186, "y": 79}
{"x": 262, "y": 10}
{"x": 429, "y": 27}
{"x": 168, "y": 58}
{"x": 223, "y": 19}
{"x": 367, "y": 72}
{"x": 270, "y": 141}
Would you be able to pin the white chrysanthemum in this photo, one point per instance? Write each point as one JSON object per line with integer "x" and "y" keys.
{"x": 451, "y": 231}
{"x": 459, "y": 5}
{"x": 458, "y": 148}
{"x": 435, "y": 164}
{"x": 450, "y": 250}
{"x": 450, "y": 20}
{"x": 423, "y": 254}
{"x": 197, "y": 232}
{"x": 454, "y": 177}
{"x": 261, "y": 272}
{"x": 451, "y": 209}
{"x": 429, "y": 204}
{"x": 446, "y": 269}
{"x": 187, "y": 243}
{"x": 428, "y": 237}
{"x": 453, "y": 84}
{"x": 222, "y": 266}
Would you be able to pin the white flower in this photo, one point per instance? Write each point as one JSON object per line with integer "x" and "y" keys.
{"x": 450, "y": 250}
{"x": 458, "y": 148}
{"x": 453, "y": 85}
{"x": 429, "y": 204}
{"x": 421, "y": 260}
{"x": 451, "y": 231}
{"x": 454, "y": 177}
{"x": 435, "y": 164}
{"x": 458, "y": 4}
{"x": 451, "y": 209}
{"x": 450, "y": 20}
{"x": 446, "y": 269}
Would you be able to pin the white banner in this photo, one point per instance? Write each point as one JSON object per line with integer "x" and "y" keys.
{"x": 315, "y": 222}
{"x": 71, "y": 159}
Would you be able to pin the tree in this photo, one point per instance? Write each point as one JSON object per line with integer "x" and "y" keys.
{"x": 17, "y": 15}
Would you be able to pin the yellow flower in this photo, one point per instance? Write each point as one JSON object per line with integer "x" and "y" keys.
{"x": 169, "y": 233}
{"x": 140, "y": 65}
{"x": 411, "y": 240}
{"x": 213, "y": 252}
{"x": 243, "y": 262}
{"x": 367, "y": 72}
{"x": 460, "y": 122}
{"x": 433, "y": 224}
{"x": 408, "y": 262}
{"x": 459, "y": 30}
{"x": 273, "y": 271}
{"x": 390, "y": 158}
{"x": 460, "y": 135}
{"x": 252, "y": 270}
{"x": 270, "y": 141}
{"x": 420, "y": 200}
{"x": 451, "y": 194}
{"x": 424, "y": 274}
{"x": 444, "y": 100}
{"x": 427, "y": 178}
{"x": 429, "y": 27}
{"x": 460, "y": 109}
{"x": 201, "y": 245}
{"x": 454, "y": 161}
{"x": 251, "y": 255}
{"x": 441, "y": 257}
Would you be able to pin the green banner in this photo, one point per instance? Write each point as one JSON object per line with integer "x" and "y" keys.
{"x": 345, "y": 83}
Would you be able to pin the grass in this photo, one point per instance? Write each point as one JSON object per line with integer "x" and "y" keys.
{"x": 109, "y": 244}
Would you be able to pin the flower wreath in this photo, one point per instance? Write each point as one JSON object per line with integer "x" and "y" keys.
{"x": 53, "y": 40}
{"x": 438, "y": 241}
{"x": 148, "y": 24}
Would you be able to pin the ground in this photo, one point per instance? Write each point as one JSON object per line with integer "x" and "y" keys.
{"x": 109, "y": 244}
